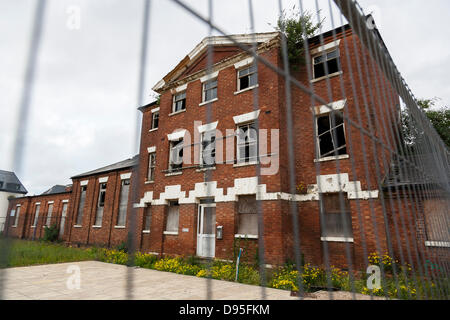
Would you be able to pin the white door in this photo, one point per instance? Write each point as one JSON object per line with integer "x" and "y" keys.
{"x": 206, "y": 230}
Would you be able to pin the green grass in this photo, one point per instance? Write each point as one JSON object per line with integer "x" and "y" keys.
{"x": 26, "y": 253}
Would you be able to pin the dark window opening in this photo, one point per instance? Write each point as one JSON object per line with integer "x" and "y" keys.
{"x": 247, "y": 77}
{"x": 155, "y": 120}
{"x": 210, "y": 90}
{"x": 208, "y": 148}
{"x": 247, "y": 146}
{"x": 330, "y": 60}
{"x": 179, "y": 102}
{"x": 176, "y": 155}
{"x": 331, "y": 135}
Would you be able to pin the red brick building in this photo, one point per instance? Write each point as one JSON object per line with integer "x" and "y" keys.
{"x": 198, "y": 190}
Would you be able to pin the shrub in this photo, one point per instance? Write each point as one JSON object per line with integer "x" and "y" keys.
{"x": 145, "y": 260}
{"x": 123, "y": 246}
{"x": 51, "y": 234}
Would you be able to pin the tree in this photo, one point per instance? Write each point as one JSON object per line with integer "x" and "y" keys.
{"x": 296, "y": 26}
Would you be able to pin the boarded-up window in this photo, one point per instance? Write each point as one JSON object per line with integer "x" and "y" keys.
{"x": 248, "y": 217}
{"x": 147, "y": 218}
{"x": 81, "y": 205}
{"x": 437, "y": 219}
{"x": 172, "y": 217}
{"x": 123, "y": 204}
{"x": 49, "y": 214}
{"x": 337, "y": 216}
{"x": 36, "y": 215}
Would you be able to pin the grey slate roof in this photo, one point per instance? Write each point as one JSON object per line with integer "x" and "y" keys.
{"x": 55, "y": 189}
{"x": 10, "y": 183}
{"x": 128, "y": 163}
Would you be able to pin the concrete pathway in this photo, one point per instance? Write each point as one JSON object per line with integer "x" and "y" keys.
{"x": 104, "y": 281}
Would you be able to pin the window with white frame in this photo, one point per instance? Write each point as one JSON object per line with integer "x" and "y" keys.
{"x": 331, "y": 134}
{"x": 16, "y": 216}
{"x": 176, "y": 155}
{"x": 247, "y": 216}
{"x": 49, "y": 214}
{"x": 151, "y": 166}
{"x": 209, "y": 90}
{"x": 79, "y": 220}
{"x": 123, "y": 202}
{"x": 208, "y": 148}
{"x": 100, "y": 204}
{"x": 326, "y": 63}
{"x": 337, "y": 218}
{"x": 155, "y": 120}
{"x": 147, "y": 218}
{"x": 172, "y": 218}
{"x": 247, "y": 77}
{"x": 247, "y": 143}
{"x": 36, "y": 214}
{"x": 179, "y": 102}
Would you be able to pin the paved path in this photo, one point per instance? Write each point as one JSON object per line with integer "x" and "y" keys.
{"x": 104, "y": 281}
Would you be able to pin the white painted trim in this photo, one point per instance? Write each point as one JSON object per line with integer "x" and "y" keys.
{"x": 326, "y": 47}
{"x": 172, "y": 233}
{"x": 65, "y": 201}
{"x": 125, "y": 176}
{"x": 145, "y": 231}
{"x": 154, "y": 110}
{"x": 119, "y": 227}
{"x": 151, "y": 149}
{"x": 247, "y": 236}
{"x": 51, "y": 202}
{"x": 245, "y": 164}
{"x": 175, "y": 136}
{"x": 327, "y": 76}
{"x": 159, "y": 85}
{"x": 84, "y": 183}
{"x": 442, "y": 244}
{"x": 180, "y": 88}
{"x": 19, "y": 205}
{"x": 324, "y": 109}
{"x": 177, "y": 112}
{"x": 207, "y": 127}
{"x": 210, "y": 76}
{"x": 149, "y": 182}
{"x": 77, "y": 226}
{"x": 244, "y": 63}
{"x": 336, "y": 239}
{"x": 103, "y": 180}
{"x": 96, "y": 227}
{"x": 154, "y": 129}
{"x": 176, "y": 173}
{"x": 246, "y": 117}
{"x": 37, "y": 203}
{"x": 246, "y": 89}
{"x": 209, "y": 101}
{"x": 333, "y": 158}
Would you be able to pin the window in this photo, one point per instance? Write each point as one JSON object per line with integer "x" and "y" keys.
{"x": 247, "y": 143}
{"x": 208, "y": 148}
{"x": 151, "y": 166}
{"x": 248, "y": 217}
{"x": 123, "y": 202}
{"x": 337, "y": 219}
{"x": 16, "y": 216}
{"x": 49, "y": 214}
{"x": 172, "y": 217}
{"x": 100, "y": 204}
{"x": 36, "y": 215}
{"x": 437, "y": 220}
{"x": 176, "y": 155}
{"x": 179, "y": 102}
{"x": 247, "y": 77}
{"x": 81, "y": 205}
{"x": 210, "y": 90}
{"x": 331, "y": 135}
{"x": 1, "y": 184}
{"x": 155, "y": 120}
{"x": 148, "y": 218}
{"x": 330, "y": 60}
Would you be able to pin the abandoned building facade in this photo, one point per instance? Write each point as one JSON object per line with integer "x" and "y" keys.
{"x": 215, "y": 151}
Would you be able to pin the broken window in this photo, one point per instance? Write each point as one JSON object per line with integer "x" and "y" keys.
{"x": 247, "y": 77}
{"x": 123, "y": 202}
{"x": 179, "y": 102}
{"x": 210, "y": 90}
{"x": 208, "y": 148}
{"x": 331, "y": 135}
{"x": 151, "y": 166}
{"x": 100, "y": 205}
{"x": 36, "y": 215}
{"x": 172, "y": 216}
{"x": 327, "y": 60}
{"x": 81, "y": 205}
{"x": 247, "y": 214}
{"x": 247, "y": 143}
{"x": 155, "y": 120}
{"x": 49, "y": 214}
{"x": 176, "y": 155}
{"x": 147, "y": 218}
{"x": 337, "y": 216}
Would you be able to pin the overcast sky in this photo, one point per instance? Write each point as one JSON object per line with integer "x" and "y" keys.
{"x": 84, "y": 104}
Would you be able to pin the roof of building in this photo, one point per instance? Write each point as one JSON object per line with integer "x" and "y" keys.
{"x": 56, "y": 189}
{"x": 151, "y": 104}
{"x": 10, "y": 183}
{"x": 128, "y": 163}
